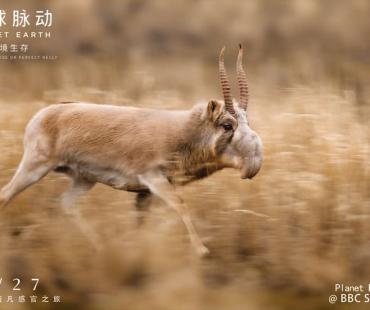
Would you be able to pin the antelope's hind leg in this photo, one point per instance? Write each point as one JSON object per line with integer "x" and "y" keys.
{"x": 79, "y": 187}
{"x": 33, "y": 167}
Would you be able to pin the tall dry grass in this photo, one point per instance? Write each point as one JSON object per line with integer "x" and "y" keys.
{"x": 280, "y": 241}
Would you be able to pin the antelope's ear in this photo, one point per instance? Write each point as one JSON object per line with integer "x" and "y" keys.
{"x": 214, "y": 109}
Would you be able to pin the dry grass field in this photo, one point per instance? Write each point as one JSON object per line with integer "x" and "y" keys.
{"x": 279, "y": 241}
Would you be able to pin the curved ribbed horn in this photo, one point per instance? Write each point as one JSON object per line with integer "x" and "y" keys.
{"x": 226, "y": 90}
{"x": 242, "y": 80}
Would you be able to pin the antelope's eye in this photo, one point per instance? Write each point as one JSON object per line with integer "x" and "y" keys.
{"x": 227, "y": 126}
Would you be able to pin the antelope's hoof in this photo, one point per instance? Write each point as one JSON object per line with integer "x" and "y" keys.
{"x": 203, "y": 251}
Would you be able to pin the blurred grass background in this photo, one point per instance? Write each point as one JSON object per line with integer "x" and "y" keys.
{"x": 280, "y": 241}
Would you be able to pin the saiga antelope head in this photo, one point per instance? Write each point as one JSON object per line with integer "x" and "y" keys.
{"x": 235, "y": 144}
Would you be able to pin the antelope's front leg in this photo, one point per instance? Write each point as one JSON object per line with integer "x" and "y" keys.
{"x": 160, "y": 186}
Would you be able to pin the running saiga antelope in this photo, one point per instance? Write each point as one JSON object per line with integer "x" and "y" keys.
{"x": 146, "y": 151}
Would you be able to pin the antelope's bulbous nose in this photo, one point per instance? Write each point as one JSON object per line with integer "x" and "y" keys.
{"x": 251, "y": 167}
{"x": 252, "y": 163}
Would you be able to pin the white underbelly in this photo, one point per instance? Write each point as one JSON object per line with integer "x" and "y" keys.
{"x": 106, "y": 175}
